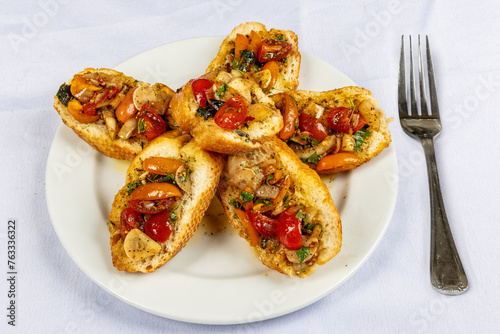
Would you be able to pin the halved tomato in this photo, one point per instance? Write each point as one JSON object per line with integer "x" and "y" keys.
{"x": 289, "y": 230}
{"x": 266, "y": 226}
{"x": 158, "y": 226}
{"x": 154, "y": 191}
{"x": 149, "y": 123}
{"x": 290, "y": 114}
{"x": 232, "y": 113}
{"x": 308, "y": 123}
{"x": 200, "y": 88}
{"x": 161, "y": 165}
{"x": 130, "y": 219}
{"x": 273, "y": 49}
{"x": 345, "y": 120}
{"x": 150, "y": 206}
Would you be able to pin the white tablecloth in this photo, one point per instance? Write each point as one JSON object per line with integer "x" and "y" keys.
{"x": 44, "y": 42}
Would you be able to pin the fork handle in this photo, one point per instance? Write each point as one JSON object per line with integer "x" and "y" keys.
{"x": 447, "y": 273}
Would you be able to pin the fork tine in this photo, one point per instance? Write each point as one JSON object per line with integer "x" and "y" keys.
{"x": 432, "y": 83}
{"x": 402, "y": 102}
{"x": 423, "y": 101}
{"x": 413, "y": 99}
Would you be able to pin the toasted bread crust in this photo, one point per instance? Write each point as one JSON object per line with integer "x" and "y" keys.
{"x": 310, "y": 191}
{"x": 380, "y": 137}
{"x": 96, "y": 133}
{"x": 206, "y": 168}
{"x": 289, "y": 71}
{"x": 211, "y": 137}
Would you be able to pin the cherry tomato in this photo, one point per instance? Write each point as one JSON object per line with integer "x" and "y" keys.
{"x": 274, "y": 68}
{"x": 232, "y": 113}
{"x": 161, "y": 165}
{"x": 290, "y": 114}
{"x": 337, "y": 161}
{"x": 158, "y": 226}
{"x": 200, "y": 88}
{"x": 126, "y": 108}
{"x": 255, "y": 41}
{"x": 149, "y": 123}
{"x": 130, "y": 219}
{"x": 151, "y": 206}
{"x": 241, "y": 43}
{"x": 289, "y": 230}
{"x": 343, "y": 120}
{"x": 266, "y": 226}
{"x": 76, "y": 110}
{"x": 273, "y": 49}
{"x": 154, "y": 191}
{"x": 308, "y": 123}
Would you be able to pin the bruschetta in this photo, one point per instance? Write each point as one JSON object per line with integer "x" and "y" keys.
{"x": 333, "y": 131}
{"x": 225, "y": 112}
{"x": 270, "y": 57}
{"x": 168, "y": 188}
{"x": 114, "y": 113}
{"x": 282, "y": 208}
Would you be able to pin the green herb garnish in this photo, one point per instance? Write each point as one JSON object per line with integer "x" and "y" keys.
{"x": 313, "y": 159}
{"x": 359, "y": 139}
{"x": 223, "y": 89}
{"x": 302, "y": 253}
{"x": 141, "y": 126}
{"x": 245, "y": 196}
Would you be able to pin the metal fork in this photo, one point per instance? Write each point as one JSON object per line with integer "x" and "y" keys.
{"x": 447, "y": 273}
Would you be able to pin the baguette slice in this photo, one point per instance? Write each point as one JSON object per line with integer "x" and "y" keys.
{"x": 263, "y": 119}
{"x": 288, "y": 78}
{"x": 338, "y": 151}
{"x": 105, "y": 133}
{"x": 250, "y": 170}
{"x": 205, "y": 169}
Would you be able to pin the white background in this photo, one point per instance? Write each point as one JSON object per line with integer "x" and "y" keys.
{"x": 44, "y": 42}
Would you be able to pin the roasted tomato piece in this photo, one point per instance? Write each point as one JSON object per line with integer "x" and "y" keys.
{"x": 161, "y": 165}
{"x": 154, "y": 191}
{"x": 150, "y": 206}
{"x": 266, "y": 226}
{"x": 290, "y": 114}
{"x": 158, "y": 226}
{"x": 126, "y": 108}
{"x": 308, "y": 123}
{"x": 200, "y": 88}
{"x": 344, "y": 120}
{"x": 130, "y": 219}
{"x": 232, "y": 113}
{"x": 273, "y": 49}
{"x": 289, "y": 230}
{"x": 149, "y": 123}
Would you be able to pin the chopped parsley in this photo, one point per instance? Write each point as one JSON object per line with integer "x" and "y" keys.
{"x": 247, "y": 59}
{"x": 302, "y": 253}
{"x": 185, "y": 177}
{"x": 313, "y": 159}
{"x": 245, "y": 196}
{"x": 223, "y": 89}
{"x": 359, "y": 139}
{"x": 311, "y": 140}
{"x": 243, "y": 134}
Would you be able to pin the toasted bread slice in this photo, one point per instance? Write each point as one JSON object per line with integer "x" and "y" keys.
{"x": 338, "y": 151}
{"x": 262, "y": 118}
{"x": 250, "y": 177}
{"x": 107, "y": 132}
{"x": 288, "y": 77}
{"x": 129, "y": 248}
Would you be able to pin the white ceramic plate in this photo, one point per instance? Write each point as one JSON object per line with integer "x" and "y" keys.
{"x": 215, "y": 279}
